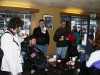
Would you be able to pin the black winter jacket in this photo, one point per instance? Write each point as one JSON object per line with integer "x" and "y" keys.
{"x": 57, "y": 35}
{"x": 42, "y": 39}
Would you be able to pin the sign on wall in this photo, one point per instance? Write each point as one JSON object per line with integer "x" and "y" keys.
{"x": 48, "y": 21}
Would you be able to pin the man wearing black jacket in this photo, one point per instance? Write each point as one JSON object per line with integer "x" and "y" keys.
{"x": 60, "y": 39}
{"x": 42, "y": 36}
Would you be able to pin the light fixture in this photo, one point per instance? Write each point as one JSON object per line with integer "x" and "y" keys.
{"x": 73, "y": 10}
{"x": 15, "y": 4}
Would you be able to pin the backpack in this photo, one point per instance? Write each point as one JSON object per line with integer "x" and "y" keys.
{"x": 1, "y": 53}
{"x": 1, "y": 56}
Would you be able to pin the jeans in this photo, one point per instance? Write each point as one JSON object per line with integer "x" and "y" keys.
{"x": 61, "y": 52}
{"x": 82, "y": 57}
{"x": 43, "y": 48}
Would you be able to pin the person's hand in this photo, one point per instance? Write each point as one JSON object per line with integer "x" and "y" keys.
{"x": 62, "y": 38}
{"x": 91, "y": 41}
{"x": 33, "y": 55}
{"x": 67, "y": 39}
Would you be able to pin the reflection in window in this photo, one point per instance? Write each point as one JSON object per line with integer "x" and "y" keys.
{"x": 5, "y": 17}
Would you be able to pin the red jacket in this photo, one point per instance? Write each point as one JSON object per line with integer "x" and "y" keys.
{"x": 71, "y": 38}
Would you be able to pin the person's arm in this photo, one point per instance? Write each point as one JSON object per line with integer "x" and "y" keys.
{"x": 91, "y": 61}
{"x": 56, "y": 36}
{"x": 48, "y": 38}
{"x": 35, "y": 31}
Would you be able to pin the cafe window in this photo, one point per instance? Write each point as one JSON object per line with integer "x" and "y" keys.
{"x": 6, "y": 16}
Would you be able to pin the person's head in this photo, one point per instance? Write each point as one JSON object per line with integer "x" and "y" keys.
{"x": 97, "y": 39}
{"x": 68, "y": 26}
{"x": 74, "y": 29}
{"x": 91, "y": 30}
{"x": 14, "y": 24}
{"x": 33, "y": 41}
{"x": 97, "y": 36}
{"x": 63, "y": 24}
{"x": 41, "y": 23}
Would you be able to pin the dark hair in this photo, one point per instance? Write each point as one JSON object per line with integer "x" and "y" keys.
{"x": 68, "y": 22}
{"x": 41, "y": 20}
{"x": 68, "y": 26}
{"x": 29, "y": 38}
{"x": 97, "y": 39}
{"x": 62, "y": 21}
{"x": 15, "y": 22}
{"x": 32, "y": 36}
{"x": 74, "y": 29}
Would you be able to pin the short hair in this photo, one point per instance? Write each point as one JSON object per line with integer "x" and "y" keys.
{"x": 62, "y": 21}
{"x": 68, "y": 26}
{"x": 32, "y": 36}
{"x": 68, "y": 22}
{"x": 15, "y": 22}
{"x": 41, "y": 20}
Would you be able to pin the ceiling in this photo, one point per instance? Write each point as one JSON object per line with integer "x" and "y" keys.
{"x": 87, "y": 5}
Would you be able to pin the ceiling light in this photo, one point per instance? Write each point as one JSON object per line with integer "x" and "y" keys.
{"x": 15, "y": 4}
{"x": 73, "y": 10}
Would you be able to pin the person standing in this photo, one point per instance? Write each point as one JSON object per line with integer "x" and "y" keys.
{"x": 89, "y": 45}
{"x": 42, "y": 36}
{"x": 10, "y": 44}
{"x": 60, "y": 39}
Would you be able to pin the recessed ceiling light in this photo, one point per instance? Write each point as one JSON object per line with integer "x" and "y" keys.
{"x": 15, "y": 4}
{"x": 73, "y": 10}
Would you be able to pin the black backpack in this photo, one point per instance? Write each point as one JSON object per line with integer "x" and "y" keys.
{"x": 1, "y": 56}
{"x": 1, "y": 53}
